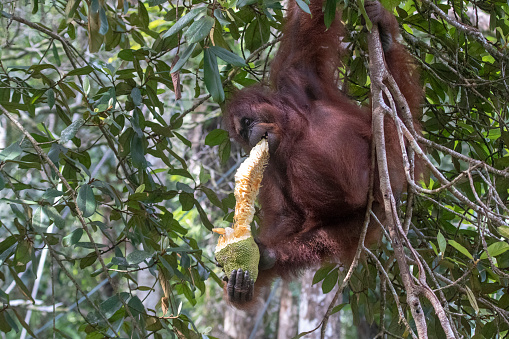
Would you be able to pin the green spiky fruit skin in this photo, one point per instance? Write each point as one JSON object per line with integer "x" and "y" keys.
{"x": 242, "y": 254}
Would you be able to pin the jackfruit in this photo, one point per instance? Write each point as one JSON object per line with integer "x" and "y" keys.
{"x": 236, "y": 247}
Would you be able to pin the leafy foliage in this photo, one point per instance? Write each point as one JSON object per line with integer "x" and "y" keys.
{"x": 103, "y": 106}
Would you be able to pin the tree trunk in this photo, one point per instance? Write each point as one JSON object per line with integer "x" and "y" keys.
{"x": 288, "y": 313}
{"x": 3, "y": 132}
{"x": 366, "y": 330}
{"x": 313, "y": 305}
{"x": 149, "y": 298}
{"x": 240, "y": 324}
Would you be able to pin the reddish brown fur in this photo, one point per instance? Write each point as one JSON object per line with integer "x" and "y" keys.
{"x": 315, "y": 188}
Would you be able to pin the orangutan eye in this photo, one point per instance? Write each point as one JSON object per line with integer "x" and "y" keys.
{"x": 245, "y": 128}
{"x": 246, "y": 122}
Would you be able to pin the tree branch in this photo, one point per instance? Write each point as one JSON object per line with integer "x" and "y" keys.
{"x": 414, "y": 288}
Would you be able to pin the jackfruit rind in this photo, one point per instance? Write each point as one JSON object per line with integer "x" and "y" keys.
{"x": 241, "y": 253}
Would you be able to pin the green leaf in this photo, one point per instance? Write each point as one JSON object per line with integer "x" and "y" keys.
{"x": 70, "y": 131}
{"x": 39, "y": 218}
{"x": 216, "y": 137}
{"x": 111, "y": 305}
{"x": 220, "y": 17}
{"x": 203, "y": 216}
{"x": 212, "y": 77}
{"x": 73, "y": 238}
{"x": 86, "y": 200}
{"x": 7, "y": 247}
{"x": 496, "y": 249}
{"x": 35, "y": 7}
{"x": 11, "y": 152}
{"x": 362, "y": 11}
{"x": 138, "y": 152}
{"x": 136, "y": 306}
{"x": 182, "y": 22}
{"x": 257, "y": 33}
{"x": 119, "y": 261}
{"x": 184, "y": 188}
{"x": 304, "y": 6}
{"x": 51, "y": 193}
{"x": 442, "y": 243}
{"x": 390, "y": 4}
{"x": 434, "y": 247}
{"x": 183, "y": 139}
{"x": 199, "y": 29}
{"x": 53, "y": 214}
{"x": 137, "y": 256}
{"x": 4, "y": 324}
{"x": 14, "y": 106}
{"x": 212, "y": 196}
{"x": 104, "y": 21}
{"x": 204, "y": 176}
{"x": 21, "y": 285}
{"x": 50, "y": 94}
{"x": 330, "y": 281}
{"x": 81, "y": 71}
{"x": 181, "y": 172}
{"x": 228, "y": 56}
{"x": 71, "y": 7}
{"x": 71, "y": 30}
{"x": 140, "y": 189}
{"x": 170, "y": 269}
{"x": 143, "y": 15}
{"x": 472, "y": 299}
{"x": 504, "y": 231}
{"x": 88, "y": 260}
{"x": 330, "y": 12}
{"x": 186, "y": 201}
{"x": 337, "y": 308}
{"x": 182, "y": 60}
{"x": 460, "y": 248}
{"x": 152, "y": 3}
{"x": 224, "y": 151}
{"x": 90, "y": 245}
{"x": 242, "y": 3}
{"x": 322, "y": 272}
{"x": 86, "y": 85}
{"x": 136, "y": 96}
{"x": 126, "y": 54}
{"x": 5, "y": 14}
{"x": 23, "y": 252}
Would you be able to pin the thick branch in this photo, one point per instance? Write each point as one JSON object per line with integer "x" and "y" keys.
{"x": 379, "y": 74}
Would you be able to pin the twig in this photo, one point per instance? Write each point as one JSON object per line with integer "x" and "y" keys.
{"x": 65, "y": 44}
{"x": 473, "y": 162}
{"x": 469, "y": 30}
{"x": 413, "y": 143}
{"x": 384, "y": 273}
